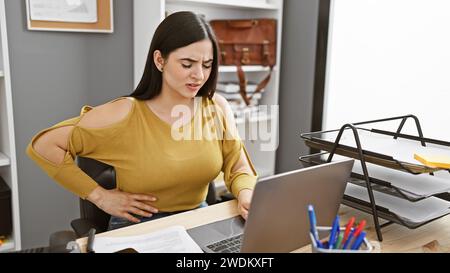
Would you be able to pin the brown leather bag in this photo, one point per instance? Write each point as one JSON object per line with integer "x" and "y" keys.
{"x": 247, "y": 42}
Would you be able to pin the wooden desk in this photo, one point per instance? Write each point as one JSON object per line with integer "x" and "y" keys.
{"x": 433, "y": 237}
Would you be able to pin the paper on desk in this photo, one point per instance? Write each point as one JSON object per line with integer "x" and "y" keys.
{"x": 173, "y": 239}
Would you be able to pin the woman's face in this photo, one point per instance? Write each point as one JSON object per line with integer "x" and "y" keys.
{"x": 187, "y": 69}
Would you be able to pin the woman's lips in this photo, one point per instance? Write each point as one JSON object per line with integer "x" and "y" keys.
{"x": 193, "y": 87}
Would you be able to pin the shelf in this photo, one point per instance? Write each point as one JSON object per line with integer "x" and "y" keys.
{"x": 248, "y": 68}
{"x": 7, "y": 246}
{"x": 255, "y": 118}
{"x": 7, "y": 140}
{"x": 4, "y": 160}
{"x": 248, "y": 4}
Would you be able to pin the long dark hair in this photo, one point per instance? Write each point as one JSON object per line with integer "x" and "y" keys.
{"x": 178, "y": 30}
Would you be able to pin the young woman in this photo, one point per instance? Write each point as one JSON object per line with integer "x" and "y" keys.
{"x": 158, "y": 173}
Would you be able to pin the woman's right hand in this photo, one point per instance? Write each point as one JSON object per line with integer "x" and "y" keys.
{"x": 122, "y": 204}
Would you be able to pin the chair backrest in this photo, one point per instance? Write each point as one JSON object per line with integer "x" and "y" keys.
{"x": 105, "y": 176}
{"x": 211, "y": 198}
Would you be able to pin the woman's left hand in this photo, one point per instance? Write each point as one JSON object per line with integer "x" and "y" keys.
{"x": 244, "y": 200}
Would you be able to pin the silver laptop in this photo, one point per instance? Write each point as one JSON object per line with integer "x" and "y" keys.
{"x": 278, "y": 216}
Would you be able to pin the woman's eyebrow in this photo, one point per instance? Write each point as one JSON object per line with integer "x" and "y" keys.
{"x": 195, "y": 61}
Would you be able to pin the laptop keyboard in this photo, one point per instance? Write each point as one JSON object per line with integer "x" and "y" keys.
{"x": 229, "y": 245}
{"x": 33, "y": 250}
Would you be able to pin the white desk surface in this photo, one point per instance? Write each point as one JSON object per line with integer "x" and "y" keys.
{"x": 433, "y": 237}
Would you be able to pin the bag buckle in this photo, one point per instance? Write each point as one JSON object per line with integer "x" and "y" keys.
{"x": 223, "y": 52}
{"x": 224, "y": 55}
{"x": 266, "y": 52}
{"x": 245, "y": 55}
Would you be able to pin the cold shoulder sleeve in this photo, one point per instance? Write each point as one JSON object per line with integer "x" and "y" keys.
{"x": 236, "y": 180}
{"x": 82, "y": 141}
{"x": 232, "y": 148}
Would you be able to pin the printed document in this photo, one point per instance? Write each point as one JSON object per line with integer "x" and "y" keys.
{"x": 173, "y": 239}
{"x": 81, "y": 11}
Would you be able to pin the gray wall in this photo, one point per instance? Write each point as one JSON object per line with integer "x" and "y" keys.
{"x": 297, "y": 80}
{"x": 53, "y": 75}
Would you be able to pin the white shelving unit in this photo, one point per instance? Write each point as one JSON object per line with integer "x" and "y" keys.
{"x": 4, "y": 160}
{"x": 147, "y": 16}
{"x": 8, "y": 165}
{"x": 241, "y": 4}
{"x": 248, "y": 68}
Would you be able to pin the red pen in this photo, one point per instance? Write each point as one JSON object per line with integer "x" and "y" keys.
{"x": 348, "y": 228}
{"x": 359, "y": 228}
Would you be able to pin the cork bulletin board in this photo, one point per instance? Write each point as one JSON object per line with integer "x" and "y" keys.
{"x": 55, "y": 15}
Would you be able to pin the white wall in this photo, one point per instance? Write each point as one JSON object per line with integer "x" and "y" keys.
{"x": 388, "y": 58}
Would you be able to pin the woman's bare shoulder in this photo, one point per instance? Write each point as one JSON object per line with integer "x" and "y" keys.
{"x": 221, "y": 102}
{"x": 107, "y": 114}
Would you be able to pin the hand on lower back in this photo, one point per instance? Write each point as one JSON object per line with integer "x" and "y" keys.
{"x": 122, "y": 204}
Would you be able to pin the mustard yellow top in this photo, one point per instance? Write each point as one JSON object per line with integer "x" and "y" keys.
{"x": 148, "y": 159}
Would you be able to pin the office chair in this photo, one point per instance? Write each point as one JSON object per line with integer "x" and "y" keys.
{"x": 90, "y": 215}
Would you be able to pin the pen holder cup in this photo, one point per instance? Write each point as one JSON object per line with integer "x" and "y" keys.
{"x": 324, "y": 232}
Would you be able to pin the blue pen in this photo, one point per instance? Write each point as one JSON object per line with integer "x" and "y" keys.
{"x": 350, "y": 236}
{"x": 312, "y": 223}
{"x": 358, "y": 241}
{"x": 334, "y": 232}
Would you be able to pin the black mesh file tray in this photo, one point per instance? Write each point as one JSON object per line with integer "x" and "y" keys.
{"x": 378, "y": 148}
{"x": 410, "y": 204}
{"x": 397, "y": 210}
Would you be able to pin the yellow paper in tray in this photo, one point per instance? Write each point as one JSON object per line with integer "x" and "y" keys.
{"x": 434, "y": 161}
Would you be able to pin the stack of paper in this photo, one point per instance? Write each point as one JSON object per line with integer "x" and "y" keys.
{"x": 400, "y": 149}
{"x": 173, "y": 239}
{"x": 415, "y": 186}
{"x": 414, "y": 213}
{"x": 434, "y": 161}
{"x": 231, "y": 92}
